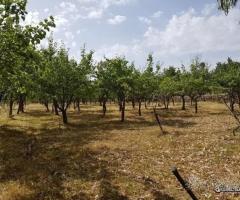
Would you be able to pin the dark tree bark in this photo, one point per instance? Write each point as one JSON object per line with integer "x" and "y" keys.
{"x": 120, "y": 106}
{"x": 173, "y": 102}
{"x": 104, "y": 107}
{"x": 78, "y": 105}
{"x": 238, "y": 98}
{"x": 196, "y": 105}
{"x": 1, "y": 96}
{"x": 63, "y": 106}
{"x": 10, "y": 114}
{"x": 183, "y": 103}
{"x": 64, "y": 116}
{"x": 166, "y": 102}
{"x": 139, "y": 108}
{"x": 123, "y": 110}
{"x": 133, "y": 103}
{"x": 191, "y": 100}
{"x": 21, "y": 104}
{"x": 55, "y": 107}
{"x": 46, "y": 105}
{"x": 232, "y": 102}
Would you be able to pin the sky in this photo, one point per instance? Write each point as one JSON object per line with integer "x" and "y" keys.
{"x": 174, "y": 31}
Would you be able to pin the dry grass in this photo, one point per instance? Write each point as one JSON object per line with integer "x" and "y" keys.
{"x": 102, "y": 158}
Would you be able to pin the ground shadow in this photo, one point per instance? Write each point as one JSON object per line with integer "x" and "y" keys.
{"x": 177, "y": 123}
{"x": 54, "y": 159}
{"x": 157, "y": 195}
{"x": 46, "y": 160}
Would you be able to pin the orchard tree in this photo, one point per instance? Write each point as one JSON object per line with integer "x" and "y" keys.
{"x": 17, "y": 42}
{"x": 198, "y": 82}
{"x": 182, "y": 86}
{"x": 85, "y": 70}
{"x": 149, "y": 80}
{"x": 61, "y": 77}
{"x": 227, "y": 76}
{"x": 44, "y": 88}
{"x": 168, "y": 85}
{"x": 104, "y": 83}
{"x": 138, "y": 88}
{"x": 120, "y": 80}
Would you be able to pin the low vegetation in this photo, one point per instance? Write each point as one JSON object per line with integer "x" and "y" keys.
{"x": 101, "y": 158}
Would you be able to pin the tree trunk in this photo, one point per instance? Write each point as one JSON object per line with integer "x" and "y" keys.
{"x": 120, "y": 106}
{"x": 139, "y": 107}
{"x": 20, "y": 104}
{"x": 231, "y": 99}
{"x": 64, "y": 116}
{"x": 133, "y": 103}
{"x": 238, "y": 96}
{"x": 55, "y": 107}
{"x": 167, "y": 103}
{"x": 78, "y": 105}
{"x": 238, "y": 99}
{"x": 173, "y": 102}
{"x": 146, "y": 105}
{"x": 104, "y": 108}
{"x": 11, "y": 107}
{"x": 1, "y": 96}
{"x": 46, "y": 105}
{"x": 123, "y": 111}
{"x": 74, "y": 104}
{"x": 196, "y": 106}
{"x": 183, "y": 103}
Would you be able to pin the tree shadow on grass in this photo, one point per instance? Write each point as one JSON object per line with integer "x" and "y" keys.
{"x": 157, "y": 195}
{"x": 111, "y": 122}
{"x": 54, "y": 159}
{"x": 94, "y": 121}
{"x": 58, "y": 155}
{"x": 172, "y": 112}
{"x": 110, "y": 192}
{"x": 178, "y": 123}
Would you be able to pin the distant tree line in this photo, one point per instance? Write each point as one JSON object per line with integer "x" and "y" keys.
{"x": 50, "y": 77}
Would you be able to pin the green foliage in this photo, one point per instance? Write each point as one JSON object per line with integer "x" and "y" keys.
{"x": 119, "y": 77}
{"x": 227, "y": 75}
{"x": 198, "y": 80}
{"x": 226, "y": 5}
{"x": 103, "y": 81}
{"x": 50, "y": 76}
{"x": 85, "y": 73}
{"x": 18, "y": 47}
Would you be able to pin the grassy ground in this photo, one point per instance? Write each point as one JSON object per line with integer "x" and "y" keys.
{"x": 102, "y": 158}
